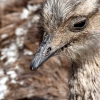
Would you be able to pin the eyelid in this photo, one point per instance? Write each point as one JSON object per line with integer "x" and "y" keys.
{"x": 77, "y": 20}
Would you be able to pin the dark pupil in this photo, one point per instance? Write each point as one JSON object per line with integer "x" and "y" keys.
{"x": 80, "y": 24}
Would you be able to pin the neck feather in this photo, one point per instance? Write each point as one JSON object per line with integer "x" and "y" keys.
{"x": 84, "y": 79}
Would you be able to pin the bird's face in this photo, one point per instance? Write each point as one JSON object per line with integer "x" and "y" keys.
{"x": 69, "y": 27}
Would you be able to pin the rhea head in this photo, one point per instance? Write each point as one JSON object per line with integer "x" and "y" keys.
{"x": 71, "y": 27}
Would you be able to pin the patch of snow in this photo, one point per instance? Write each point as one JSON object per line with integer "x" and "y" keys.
{"x": 21, "y": 83}
{"x": 4, "y": 36}
{"x": 12, "y": 74}
{"x": 4, "y": 80}
{"x": 17, "y": 66}
{"x": 20, "y": 32}
{"x": 30, "y": 8}
{"x": 3, "y": 87}
{"x": 25, "y": 14}
{"x": 10, "y": 60}
{"x": 11, "y": 53}
{"x": 2, "y": 57}
{"x": 13, "y": 81}
{"x": 3, "y": 91}
{"x": 20, "y": 41}
{"x": 28, "y": 52}
{"x": 33, "y": 8}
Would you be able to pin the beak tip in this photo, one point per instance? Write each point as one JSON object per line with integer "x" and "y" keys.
{"x": 33, "y": 66}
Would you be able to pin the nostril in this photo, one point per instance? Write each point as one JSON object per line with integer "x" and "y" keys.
{"x": 49, "y": 49}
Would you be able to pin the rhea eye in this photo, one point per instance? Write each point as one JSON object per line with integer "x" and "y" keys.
{"x": 78, "y": 24}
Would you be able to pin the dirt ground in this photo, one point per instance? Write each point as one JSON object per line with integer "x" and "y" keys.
{"x": 20, "y": 34}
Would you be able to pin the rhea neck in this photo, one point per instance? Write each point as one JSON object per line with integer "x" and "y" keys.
{"x": 84, "y": 78}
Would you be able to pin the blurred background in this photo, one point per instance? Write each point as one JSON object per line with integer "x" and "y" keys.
{"x": 19, "y": 38}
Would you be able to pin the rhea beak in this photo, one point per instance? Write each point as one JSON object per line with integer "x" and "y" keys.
{"x": 44, "y": 52}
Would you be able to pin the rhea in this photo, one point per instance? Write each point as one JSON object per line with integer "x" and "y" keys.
{"x": 73, "y": 27}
